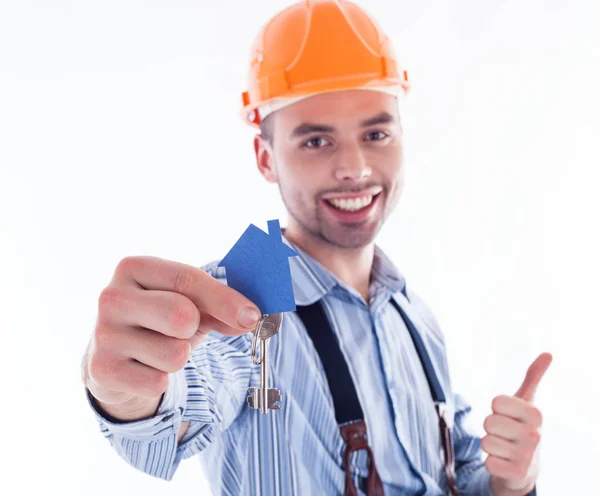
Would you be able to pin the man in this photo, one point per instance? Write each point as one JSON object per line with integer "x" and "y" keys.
{"x": 367, "y": 404}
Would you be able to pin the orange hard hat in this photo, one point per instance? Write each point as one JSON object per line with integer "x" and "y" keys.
{"x": 316, "y": 46}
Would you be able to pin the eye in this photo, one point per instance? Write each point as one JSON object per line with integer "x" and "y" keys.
{"x": 376, "y": 136}
{"x": 317, "y": 142}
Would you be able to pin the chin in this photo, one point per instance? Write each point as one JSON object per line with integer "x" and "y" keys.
{"x": 351, "y": 237}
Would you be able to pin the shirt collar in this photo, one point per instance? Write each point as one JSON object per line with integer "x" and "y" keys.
{"x": 386, "y": 273}
{"x": 311, "y": 281}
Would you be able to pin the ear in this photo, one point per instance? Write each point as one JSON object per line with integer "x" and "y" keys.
{"x": 264, "y": 158}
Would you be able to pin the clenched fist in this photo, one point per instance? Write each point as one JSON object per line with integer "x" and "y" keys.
{"x": 150, "y": 317}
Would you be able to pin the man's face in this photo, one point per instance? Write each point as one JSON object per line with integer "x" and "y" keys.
{"x": 337, "y": 158}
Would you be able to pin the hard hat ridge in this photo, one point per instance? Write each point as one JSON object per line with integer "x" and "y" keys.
{"x": 317, "y": 46}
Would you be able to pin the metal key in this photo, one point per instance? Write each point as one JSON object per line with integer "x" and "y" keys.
{"x": 264, "y": 398}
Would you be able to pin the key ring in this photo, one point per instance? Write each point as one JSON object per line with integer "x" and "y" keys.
{"x": 255, "y": 333}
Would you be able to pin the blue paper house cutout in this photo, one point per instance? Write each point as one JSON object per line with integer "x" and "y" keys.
{"x": 258, "y": 267}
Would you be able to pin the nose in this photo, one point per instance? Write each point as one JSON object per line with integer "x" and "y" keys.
{"x": 352, "y": 166}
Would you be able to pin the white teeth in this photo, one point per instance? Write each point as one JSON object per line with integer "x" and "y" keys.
{"x": 351, "y": 204}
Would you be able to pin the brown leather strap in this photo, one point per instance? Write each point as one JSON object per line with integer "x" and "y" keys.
{"x": 345, "y": 400}
{"x": 446, "y": 436}
{"x": 355, "y": 436}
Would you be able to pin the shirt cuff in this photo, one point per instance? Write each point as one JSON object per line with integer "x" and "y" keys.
{"x": 474, "y": 480}
{"x": 176, "y": 394}
{"x": 164, "y": 423}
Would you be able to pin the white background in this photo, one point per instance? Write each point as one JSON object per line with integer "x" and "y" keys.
{"x": 120, "y": 135}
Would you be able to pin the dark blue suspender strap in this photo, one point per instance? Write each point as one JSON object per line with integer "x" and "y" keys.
{"x": 437, "y": 393}
{"x": 345, "y": 400}
{"x": 348, "y": 412}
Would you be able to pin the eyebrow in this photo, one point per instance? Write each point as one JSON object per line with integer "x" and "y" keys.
{"x": 383, "y": 118}
{"x": 308, "y": 128}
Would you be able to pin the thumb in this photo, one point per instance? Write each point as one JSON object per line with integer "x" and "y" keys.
{"x": 534, "y": 376}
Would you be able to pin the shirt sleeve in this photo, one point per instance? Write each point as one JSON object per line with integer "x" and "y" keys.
{"x": 472, "y": 478}
{"x": 208, "y": 392}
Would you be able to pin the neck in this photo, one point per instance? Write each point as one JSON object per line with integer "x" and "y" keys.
{"x": 350, "y": 265}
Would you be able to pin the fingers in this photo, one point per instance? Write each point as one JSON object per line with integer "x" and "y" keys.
{"x": 166, "y": 312}
{"x": 518, "y": 409}
{"x": 117, "y": 373}
{"x": 164, "y": 353}
{"x": 511, "y": 430}
{"x": 505, "y": 468}
{"x": 513, "y": 436}
{"x": 150, "y": 316}
{"x": 209, "y": 295}
{"x": 208, "y": 323}
{"x": 509, "y": 459}
{"x": 534, "y": 376}
{"x": 507, "y": 450}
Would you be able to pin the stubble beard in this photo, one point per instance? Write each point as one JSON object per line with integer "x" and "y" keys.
{"x": 340, "y": 236}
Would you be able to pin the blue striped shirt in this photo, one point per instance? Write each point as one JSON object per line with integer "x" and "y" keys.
{"x": 298, "y": 450}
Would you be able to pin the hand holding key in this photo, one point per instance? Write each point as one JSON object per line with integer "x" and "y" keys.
{"x": 264, "y": 398}
{"x": 150, "y": 317}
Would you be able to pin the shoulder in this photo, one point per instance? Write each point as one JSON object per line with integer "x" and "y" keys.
{"x": 434, "y": 338}
{"x": 425, "y": 312}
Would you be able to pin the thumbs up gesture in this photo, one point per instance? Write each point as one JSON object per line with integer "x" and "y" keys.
{"x": 513, "y": 436}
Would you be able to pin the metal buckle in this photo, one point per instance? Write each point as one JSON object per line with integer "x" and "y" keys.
{"x": 446, "y": 412}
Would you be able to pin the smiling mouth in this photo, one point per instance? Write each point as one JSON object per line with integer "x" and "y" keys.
{"x": 351, "y": 204}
